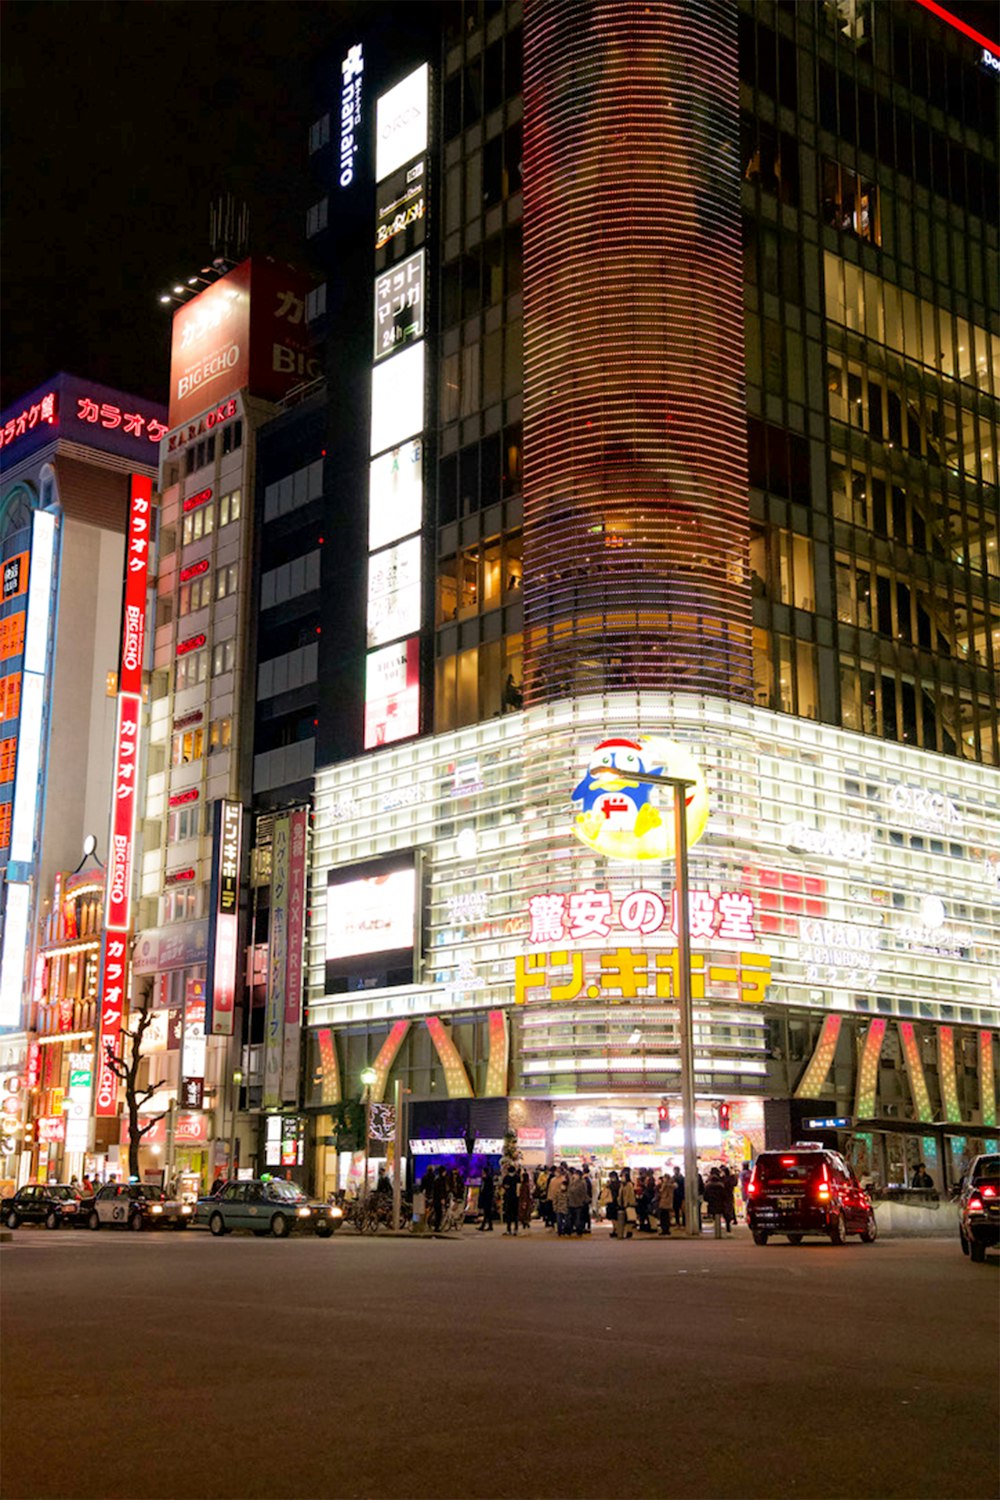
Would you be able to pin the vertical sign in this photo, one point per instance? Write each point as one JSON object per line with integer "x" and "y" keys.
{"x": 398, "y": 413}
{"x": 193, "y": 1054}
{"x": 276, "y": 967}
{"x": 76, "y": 1107}
{"x": 124, "y": 793}
{"x": 225, "y": 917}
{"x": 293, "y": 963}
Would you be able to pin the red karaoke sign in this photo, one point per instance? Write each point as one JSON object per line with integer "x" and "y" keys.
{"x": 140, "y": 518}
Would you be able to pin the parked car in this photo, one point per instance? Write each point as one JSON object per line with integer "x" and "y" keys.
{"x": 807, "y": 1190}
{"x": 267, "y": 1206}
{"x": 979, "y": 1207}
{"x": 136, "y": 1205}
{"x": 51, "y": 1204}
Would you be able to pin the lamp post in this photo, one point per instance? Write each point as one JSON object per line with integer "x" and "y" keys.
{"x": 368, "y": 1077}
{"x": 685, "y": 1014}
{"x": 237, "y": 1080}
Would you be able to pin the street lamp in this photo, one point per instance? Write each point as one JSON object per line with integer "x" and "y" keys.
{"x": 368, "y": 1077}
{"x": 679, "y": 786}
{"x": 237, "y": 1080}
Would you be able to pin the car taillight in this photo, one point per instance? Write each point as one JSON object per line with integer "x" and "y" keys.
{"x": 976, "y": 1205}
{"x": 823, "y": 1191}
{"x": 988, "y": 1192}
{"x": 751, "y": 1187}
{"x": 788, "y": 1161}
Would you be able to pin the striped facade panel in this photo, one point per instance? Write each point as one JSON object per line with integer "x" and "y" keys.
{"x": 635, "y": 493}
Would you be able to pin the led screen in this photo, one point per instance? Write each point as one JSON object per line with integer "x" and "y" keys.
{"x": 395, "y": 494}
{"x": 394, "y": 592}
{"x": 371, "y": 923}
{"x": 397, "y": 398}
{"x": 401, "y": 123}
{"x": 392, "y": 693}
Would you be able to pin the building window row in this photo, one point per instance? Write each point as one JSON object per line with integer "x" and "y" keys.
{"x": 189, "y": 745}
{"x": 200, "y": 522}
{"x": 294, "y": 490}
{"x": 191, "y": 669}
{"x": 934, "y": 715}
{"x": 480, "y": 683}
{"x": 199, "y": 455}
{"x": 479, "y": 578}
{"x": 182, "y": 903}
{"x": 223, "y": 657}
{"x": 185, "y": 823}
{"x": 479, "y": 475}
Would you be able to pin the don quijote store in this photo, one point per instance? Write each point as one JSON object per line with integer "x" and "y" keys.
{"x": 494, "y": 926}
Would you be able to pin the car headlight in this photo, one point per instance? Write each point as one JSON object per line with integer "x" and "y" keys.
{"x": 336, "y": 1213}
{"x": 156, "y": 1208}
{"x": 305, "y": 1213}
{"x": 186, "y": 1208}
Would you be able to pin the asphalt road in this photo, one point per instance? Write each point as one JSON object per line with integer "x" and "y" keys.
{"x": 179, "y": 1366}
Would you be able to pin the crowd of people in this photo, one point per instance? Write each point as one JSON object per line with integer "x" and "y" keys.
{"x": 568, "y": 1199}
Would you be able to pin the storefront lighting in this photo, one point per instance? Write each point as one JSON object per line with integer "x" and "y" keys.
{"x": 63, "y": 1036}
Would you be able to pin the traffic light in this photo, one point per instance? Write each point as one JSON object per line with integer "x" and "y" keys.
{"x": 664, "y": 1116}
{"x": 724, "y": 1117}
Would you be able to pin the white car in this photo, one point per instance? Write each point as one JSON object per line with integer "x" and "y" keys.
{"x": 136, "y": 1205}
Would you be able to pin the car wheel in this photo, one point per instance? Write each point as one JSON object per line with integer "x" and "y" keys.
{"x": 52, "y": 1220}
{"x": 279, "y": 1226}
{"x": 93, "y": 1219}
{"x": 870, "y": 1233}
{"x": 963, "y": 1242}
{"x": 977, "y": 1250}
{"x": 323, "y": 1231}
{"x": 135, "y": 1223}
{"x": 760, "y": 1236}
{"x": 217, "y": 1225}
{"x": 838, "y": 1231}
{"x": 12, "y": 1220}
{"x": 795, "y": 1239}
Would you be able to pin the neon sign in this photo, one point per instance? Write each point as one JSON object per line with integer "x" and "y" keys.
{"x": 136, "y": 574}
{"x": 351, "y": 70}
{"x": 40, "y": 411}
{"x": 625, "y": 819}
{"x": 631, "y": 974}
{"x": 555, "y": 918}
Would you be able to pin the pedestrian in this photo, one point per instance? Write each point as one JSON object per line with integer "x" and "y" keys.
{"x": 590, "y": 1198}
{"x": 665, "y": 1202}
{"x": 745, "y": 1175}
{"x": 439, "y": 1195}
{"x": 680, "y": 1204}
{"x": 487, "y": 1201}
{"x": 608, "y": 1200}
{"x": 511, "y": 1189}
{"x": 560, "y": 1202}
{"x": 715, "y": 1199}
{"x": 577, "y": 1195}
{"x": 729, "y": 1205}
{"x": 383, "y": 1185}
{"x": 217, "y": 1186}
{"x": 525, "y": 1199}
{"x": 921, "y": 1177}
{"x": 542, "y": 1194}
{"x": 552, "y": 1193}
{"x": 627, "y": 1215}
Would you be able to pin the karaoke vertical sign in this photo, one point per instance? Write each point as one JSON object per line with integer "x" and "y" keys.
{"x": 114, "y": 978}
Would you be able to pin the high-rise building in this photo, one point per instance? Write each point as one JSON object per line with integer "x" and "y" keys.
{"x": 70, "y": 455}
{"x": 671, "y": 330}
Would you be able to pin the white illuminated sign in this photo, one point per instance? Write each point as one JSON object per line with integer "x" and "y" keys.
{"x": 392, "y": 693}
{"x": 351, "y": 70}
{"x": 394, "y": 592}
{"x": 397, "y": 399}
{"x": 29, "y": 757}
{"x": 401, "y": 123}
{"x": 915, "y": 807}
{"x": 371, "y": 915}
{"x": 399, "y": 305}
{"x": 396, "y": 494}
{"x": 15, "y": 941}
{"x": 831, "y": 843}
{"x": 43, "y": 537}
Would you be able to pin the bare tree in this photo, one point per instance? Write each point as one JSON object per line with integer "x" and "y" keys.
{"x": 125, "y": 1064}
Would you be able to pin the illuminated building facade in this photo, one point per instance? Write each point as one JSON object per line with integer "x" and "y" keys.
{"x": 707, "y": 443}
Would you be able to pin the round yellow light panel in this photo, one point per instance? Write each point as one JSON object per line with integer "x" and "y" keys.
{"x": 626, "y": 819}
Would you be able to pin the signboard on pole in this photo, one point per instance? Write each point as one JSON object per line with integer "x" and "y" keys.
{"x": 277, "y": 976}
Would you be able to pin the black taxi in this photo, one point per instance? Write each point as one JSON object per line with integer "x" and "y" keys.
{"x": 807, "y": 1189}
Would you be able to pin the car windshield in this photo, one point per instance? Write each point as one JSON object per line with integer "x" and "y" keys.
{"x": 987, "y": 1169}
{"x": 61, "y": 1192}
{"x": 141, "y": 1190}
{"x": 288, "y": 1192}
{"x": 788, "y": 1170}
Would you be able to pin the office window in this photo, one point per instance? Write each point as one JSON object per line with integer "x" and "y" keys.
{"x": 220, "y": 735}
{"x": 229, "y": 508}
{"x": 317, "y": 217}
{"x": 223, "y": 657}
{"x": 226, "y": 580}
{"x": 232, "y": 436}
{"x": 194, "y": 595}
{"x": 319, "y": 133}
{"x": 198, "y": 523}
{"x": 184, "y": 823}
{"x": 191, "y": 669}
{"x": 187, "y": 745}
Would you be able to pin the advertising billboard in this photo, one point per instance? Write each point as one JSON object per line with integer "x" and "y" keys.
{"x": 397, "y": 399}
{"x": 225, "y": 917}
{"x": 277, "y": 963}
{"x": 401, "y": 122}
{"x": 399, "y": 305}
{"x": 394, "y": 592}
{"x": 396, "y": 494}
{"x": 392, "y": 693}
{"x": 86, "y": 412}
{"x": 372, "y": 920}
{"x": 246, "y": 330}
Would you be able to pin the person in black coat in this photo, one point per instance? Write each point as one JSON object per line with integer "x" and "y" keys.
{"x": 440, "y": 1195}
{"x": 487, "y": 1200}
{"x": 511, "y": 1192}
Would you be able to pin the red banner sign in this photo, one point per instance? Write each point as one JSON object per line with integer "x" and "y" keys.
{"x": 136, "y": 576}
{"x": 113, "y": 982}
{"x": 124, "y": 794}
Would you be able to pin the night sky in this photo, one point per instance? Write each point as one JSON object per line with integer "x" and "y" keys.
{"x": 121, "y": 123}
